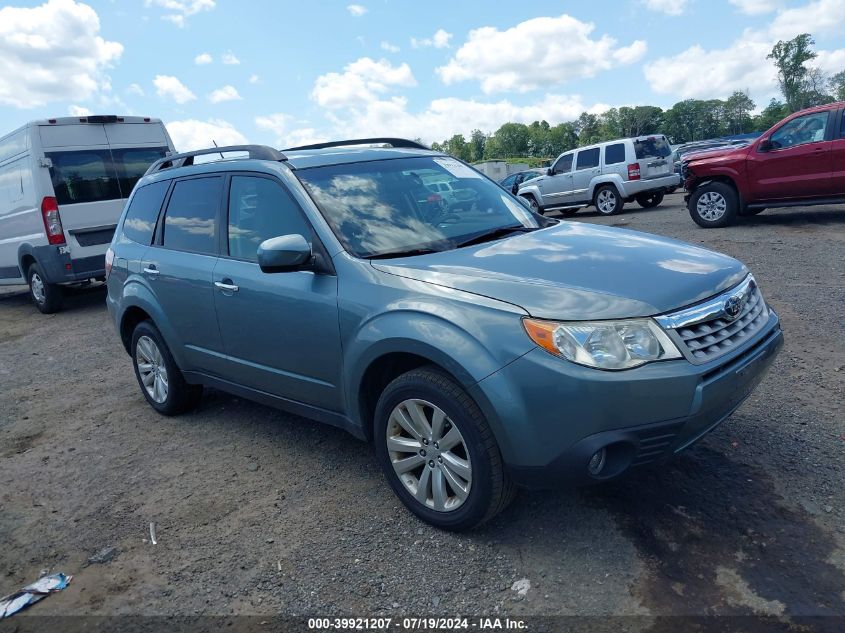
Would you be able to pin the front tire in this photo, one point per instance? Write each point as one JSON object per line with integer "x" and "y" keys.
{"x": 535, "y": 206}
{"x": 160, "y": 379}
{"x": 608, "y": 200}
{"x": 650, "y": 200}
{"x": 47, "y": 297}
{"x": 438, "y": 452}
{"x": 714, "y": 205}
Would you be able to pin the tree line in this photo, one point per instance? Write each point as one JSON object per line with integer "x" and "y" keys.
{"x": 802, "y": 86}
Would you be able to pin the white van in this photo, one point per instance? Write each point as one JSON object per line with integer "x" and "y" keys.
{"x": 63, "y": 185}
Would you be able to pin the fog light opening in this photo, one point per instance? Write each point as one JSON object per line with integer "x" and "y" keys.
{"x": 597, "y": 462}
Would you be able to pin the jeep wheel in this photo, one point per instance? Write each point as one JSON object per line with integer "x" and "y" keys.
{"x": 649, "y": 200}
{"x": 535, "y": 206}
{"x": 438, "y": 453}
{"x": 47, "y": 297}
{"x": 607, "y": 200}
{"x": 714, "y": 205}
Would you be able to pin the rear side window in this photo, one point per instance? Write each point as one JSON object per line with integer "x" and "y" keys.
{"x": 190, "y": 223}
{"x": 652, "y": 147}
{"x": 587, "y": 158}
{"x": 132, "y": 163}
{"x": 86, "y": 176}
{"x": 614, "y": 154}
{"x": 260, "y": 208}
{"x": 140, "y": 222}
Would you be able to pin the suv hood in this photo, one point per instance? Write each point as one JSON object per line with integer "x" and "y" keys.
{"x": 716, "y": 154}
{"x": 578, "y": 271}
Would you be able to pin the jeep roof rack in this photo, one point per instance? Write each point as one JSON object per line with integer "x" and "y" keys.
{"x": 393, "y": 142}
{"x": 184, "y": 159}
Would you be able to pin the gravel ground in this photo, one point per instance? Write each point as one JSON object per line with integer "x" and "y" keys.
{"x": 260, "y": 512}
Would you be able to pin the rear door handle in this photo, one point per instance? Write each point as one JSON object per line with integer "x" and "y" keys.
{"x": 226, "y": 285}
{"x": 151, "y": 270}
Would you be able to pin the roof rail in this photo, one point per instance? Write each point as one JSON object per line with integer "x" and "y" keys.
{"x": 393, "y": 142}
{"x": 257, "y": 152}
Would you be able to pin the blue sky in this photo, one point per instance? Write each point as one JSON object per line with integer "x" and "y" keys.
{"x": 287, "y": 72}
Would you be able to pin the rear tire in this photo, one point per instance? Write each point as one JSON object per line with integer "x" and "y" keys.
{"x": 47, "y": 297}
{"x": 469, "y": 459}
{"x": 714, "y": 205}
{"x": 160, "y": 379}
{"x": 608, "y": 201}
{"x": 650, "y": 200}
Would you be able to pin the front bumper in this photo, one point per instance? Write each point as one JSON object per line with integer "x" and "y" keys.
{"x": 551, "y": 416}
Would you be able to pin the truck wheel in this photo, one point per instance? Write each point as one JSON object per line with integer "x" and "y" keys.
{"x": 438, "y": 452}
{"x": 608, "y": 201}
{"x": 714, "y": 205}
{"x": 535, "y": 206}
{"x": 47, "y": 297}
{"x": 649, "y": 200}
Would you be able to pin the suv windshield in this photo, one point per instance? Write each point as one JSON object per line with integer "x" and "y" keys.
{"x": 392, "y": 207}
{"x": 652, "y": 147}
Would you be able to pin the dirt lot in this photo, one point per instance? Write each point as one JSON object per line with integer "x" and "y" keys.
{"x": 259, "y": 512}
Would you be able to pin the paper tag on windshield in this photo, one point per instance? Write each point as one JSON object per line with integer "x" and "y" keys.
{"x": 456, "y": 168}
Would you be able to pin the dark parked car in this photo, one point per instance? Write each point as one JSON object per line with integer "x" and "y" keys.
{"x": 512, "y": 182}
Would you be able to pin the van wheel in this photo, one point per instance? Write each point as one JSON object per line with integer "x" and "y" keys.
{"x": 438, "y": 452}
{"x": 160, "y": 379}
{"x": 47, "y": 297}
{"x": 649, "y": 200}
{"x": 607, "y": 200}
{"x": 714, "y": 205}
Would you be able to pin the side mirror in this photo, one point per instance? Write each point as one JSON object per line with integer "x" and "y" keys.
{"x": 284, "y": 254}
{"x": 549, "y": 172}
{"x": 765, "y": 145}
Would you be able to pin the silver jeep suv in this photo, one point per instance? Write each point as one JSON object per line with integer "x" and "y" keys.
{"x": 606, "y": 175}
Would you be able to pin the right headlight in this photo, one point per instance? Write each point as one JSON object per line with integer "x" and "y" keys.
{"x": 620, "y": 344}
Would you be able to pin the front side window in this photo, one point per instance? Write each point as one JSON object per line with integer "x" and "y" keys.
{"x": 84, "y": 176}
{"x": 140, "y": 222}
{"x": 803, "y": 129}
{"x": 614, "y": 154}
{"x": 385, "y": 208}
{"x": 260, "y": 208}
{"x": 564, "y": 164}
{"x": 587, "y": 158}
{"x": 191, "y": 220}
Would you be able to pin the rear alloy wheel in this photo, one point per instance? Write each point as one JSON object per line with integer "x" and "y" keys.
{"x": 47, "y": 297}
{"x": 650, "y": 200}
{"x": 713, "y": 205}
{"x": 438, "y": 452}
{"x": 608, "y": 201}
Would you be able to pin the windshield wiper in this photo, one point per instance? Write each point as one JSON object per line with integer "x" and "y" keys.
{"x": 405, "y": 253}
{"x": 492, "y": 234}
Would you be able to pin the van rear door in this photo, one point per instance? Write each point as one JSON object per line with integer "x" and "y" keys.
{"x": 654, "y": 156}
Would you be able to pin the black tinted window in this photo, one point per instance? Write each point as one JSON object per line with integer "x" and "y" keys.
{"x": 191, "y": 220}
{"x": 259, "y": 209}
{"x": 614, "y": 154}
{"x": 132, "y": 163}
{"x": 587, "y": 158}
{"x": 141, "y": 216}
{"x": 564, "y": 165}
{"x": 86, "y": 176}
{"x": 652, "y": 147}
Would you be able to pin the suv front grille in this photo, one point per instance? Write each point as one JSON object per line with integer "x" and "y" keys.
{"x": 708, "y": 331}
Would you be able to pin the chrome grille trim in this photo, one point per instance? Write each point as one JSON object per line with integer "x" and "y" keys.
{"x": 707, "y": 331}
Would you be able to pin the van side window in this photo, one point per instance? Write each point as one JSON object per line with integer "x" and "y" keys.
{"x": 84, "y": 176}
{"x": 190, "y": 223}
{"x": 141, "y": 216}
{"x": 614, "y": 154}
{"x": 260, "y": 208}
{"x": 564, "y": 165}
{"x": 587, "y": 158}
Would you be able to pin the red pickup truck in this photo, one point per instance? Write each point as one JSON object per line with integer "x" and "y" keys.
{"x": 798, "y": 162}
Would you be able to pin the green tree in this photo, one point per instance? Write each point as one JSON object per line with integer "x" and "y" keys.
{"x": 738, "y": 110}
{"x": 789, "y": 57}
{"x": 589, "y": 131}
{"x": 512, "y": 139}
{"x": 837, "y": 85}
{"x": 561, "y": 138}
{"x": 457, "y": 147}
{"x": 771, "y": 114}
{"x": 477, "y": 141}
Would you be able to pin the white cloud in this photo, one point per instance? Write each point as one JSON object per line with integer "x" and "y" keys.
{"x": 819, "y": 17}
{"x": 440, "y": 39}
{"x": 390, "y": 48}
{"x": 830, "y": 62}
{"x": 285, "y": 135}
{"x": 52, "y": 52}
{"x": 135, "y": 89}
{"x": 536, "y": 53}
{"x": 669, "y": 7}
{"x": 177, "y": 11}
{"x": 169, "y": 87}
{"x": 362, "y": 80}
{"x": 254, "y": 79}
{"x": 229, "y": 59}
{"x": 226, "y": 93}
{"x": 203, "y": 59}
{"x": 757, "y": 7}
{"x": 356, "y": 10}
{"x": 76, "y": 110}
{"x": 192, "y": 134}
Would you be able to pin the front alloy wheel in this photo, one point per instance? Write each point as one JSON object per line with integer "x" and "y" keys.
{"x": 429, "y": 455}
{"x": 711, "y": 206}
{"x": 714, "y": 205}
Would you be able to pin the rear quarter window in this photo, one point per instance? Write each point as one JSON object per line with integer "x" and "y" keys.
{"x": 614, "y": 154}
{"x": 142, "y": 214}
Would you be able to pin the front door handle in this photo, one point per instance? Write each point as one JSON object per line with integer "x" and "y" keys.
{"x": 226, "y": 285}
{"x": 152, "y": 270}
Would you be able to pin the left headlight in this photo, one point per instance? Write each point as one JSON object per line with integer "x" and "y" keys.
{"x": 604, "y": 344}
